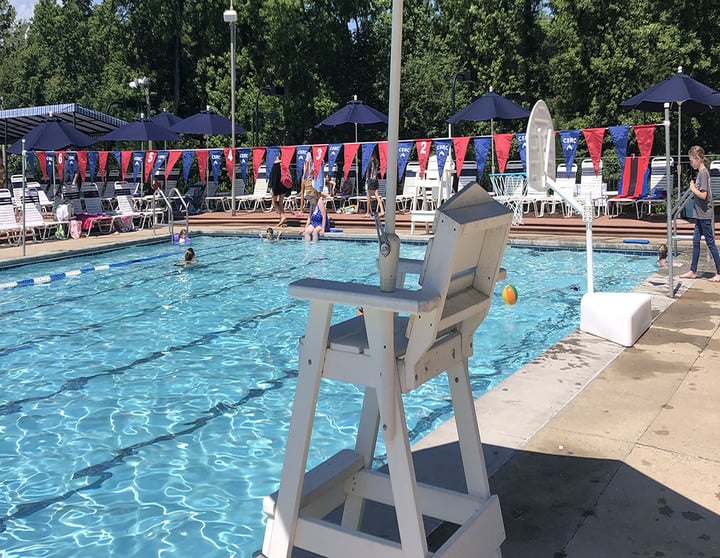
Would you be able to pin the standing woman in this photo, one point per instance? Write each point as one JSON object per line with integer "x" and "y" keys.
{"x": 373, "y": 185}
{"x": 278, "y": 191}
{"x": 702, "y": 213}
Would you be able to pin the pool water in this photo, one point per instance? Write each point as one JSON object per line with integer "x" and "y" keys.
{"x": 145, "y": 407}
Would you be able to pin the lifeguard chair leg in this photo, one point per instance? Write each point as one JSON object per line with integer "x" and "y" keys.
{"x": 312, "y": 355}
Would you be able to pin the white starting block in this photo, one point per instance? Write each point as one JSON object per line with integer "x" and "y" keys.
{"x": 403, "y": 339}
{"x": 618, "y": 317}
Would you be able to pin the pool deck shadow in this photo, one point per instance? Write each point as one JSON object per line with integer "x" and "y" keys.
{"x": 629, "y": 463}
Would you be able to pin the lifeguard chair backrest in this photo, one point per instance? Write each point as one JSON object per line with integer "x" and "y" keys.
{"x": 461, "y": 267}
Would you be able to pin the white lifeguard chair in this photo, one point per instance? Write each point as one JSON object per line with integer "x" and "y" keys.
{"x": 403, "y": 339}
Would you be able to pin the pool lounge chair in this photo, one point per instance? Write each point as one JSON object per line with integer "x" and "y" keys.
{"x": 10, "y": 229}
{"x": 633, "y": 187}
{"x": 35, "y": 222}
{"x": 591, "y": 183}
{"x": 94, "y": 217}
{"x": 715, "y": 180}
{"x": 430, "y": 331}
{"x": 657, "y": 187}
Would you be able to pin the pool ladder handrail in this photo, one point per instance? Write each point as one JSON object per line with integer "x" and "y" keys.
{"x": 176, "y": 195}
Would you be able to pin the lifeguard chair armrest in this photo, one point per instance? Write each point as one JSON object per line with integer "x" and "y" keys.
{"x": 352, "y": 294}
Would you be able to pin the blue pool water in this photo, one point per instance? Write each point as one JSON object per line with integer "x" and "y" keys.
{"x": 144, "y": 409}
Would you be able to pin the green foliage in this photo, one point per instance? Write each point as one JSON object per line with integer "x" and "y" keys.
{"x": 583, "y": 57}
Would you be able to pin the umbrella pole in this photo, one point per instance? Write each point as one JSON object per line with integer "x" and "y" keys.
{"x": 357, "y": 171}
{"x": 679, "y": 166}
{"x": 492, "y": 146}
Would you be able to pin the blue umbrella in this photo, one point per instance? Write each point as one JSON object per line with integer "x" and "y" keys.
{"x": 684, "y": 94}
{"x": 355, "y": 113}
{"x": 207, "y": 122}
{"x": 680, "y": 90}
{"x": 166, "y": 119}
{"x": 141, "y": 129}
{"x": 490, "y": 106}
{"x": 50, "y": 135}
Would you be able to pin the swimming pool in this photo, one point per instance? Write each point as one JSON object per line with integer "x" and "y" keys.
{"x": 144, "y": 409}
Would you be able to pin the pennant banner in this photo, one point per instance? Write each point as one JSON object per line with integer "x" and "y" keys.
{"x": 150, "y": 157}
{"x": 202, "y": 160}
{"x": 367, "y": 150}
{"x": 137, "y": 160}
{"x": 60, "y": 162}
{"x": 243, "y": 157}
{"x": 442, "y": 151}
{"x": 102, "y": 159}
{"x": 645, "y": 135}
{"x": 619, "y": 135}
{"x": 318, "y": 159}
{"x": 482, "y": 147}
{"x": 460, "y": 147}
{"x": 569, "y": 142}
{"x": 382, "y": 150}
{"x": 349, "y": 153}
{"x": 187, "y": 156}
{"x": 285, "y": 159}
{"x": 522, "y": 148}
{"x": 301, "y": 152}
{"x": 423, "y": 152}
{"x": 160, "y": 160}
{"x": 404, "y": 151}
{"x": 216, "y": 159}
{"x": 502, "y": 149}
{"x": 82, "y": 159}
{"x": 173, "y": 156}
{"x": 333, "y": 152}
{"x": 594, "y": 141}
{"x": 92, "y": 160}
{"x": 257, "y": 157}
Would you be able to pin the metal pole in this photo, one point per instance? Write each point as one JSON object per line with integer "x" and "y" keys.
{"x": 232, "y": 17}
{"x": 24, "y": 185}
{"x": 394, "y": 114}
{"x": 668, "y": 200}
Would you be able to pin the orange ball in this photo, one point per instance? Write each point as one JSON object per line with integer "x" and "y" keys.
{"x": 509, "y": 294}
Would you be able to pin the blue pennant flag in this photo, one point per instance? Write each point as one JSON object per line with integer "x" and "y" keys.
{"x": 216, "y": 158}
{"x": 367, "y": 149}
{"x": 92, "y": 163}
{"x": 50, "y": 165}
{"x": 619, "y": 135}
{"x": 243, "y": 157}
{"x": 271, "y": 154}
{"x": 31, "y": 161}
{"x": 118, "y": 158}
{"x": 442, "y": 151}
{"x": 159, "y": 161}
{"x": 187, "y": 157}
{"x": 569, "y": 142}
{"x": 70, "y": 168}
{"x": 333, "y": 152}
{"x": 521, "y": 138}
{"x": 301, "y": 153}
{"x": 404, "y": 151}
{"x": 138, "y": 157}
{"x": 482, "y": 147}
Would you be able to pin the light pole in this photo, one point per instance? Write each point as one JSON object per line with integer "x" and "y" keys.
{"x": 270, "y": 90}
{"x": 143, "y": 83}
{"x": 230, "y": 16}
{"x": 466, "y": 76}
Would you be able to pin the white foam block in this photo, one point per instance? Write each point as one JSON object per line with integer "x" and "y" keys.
{"x": 618, "y": 317}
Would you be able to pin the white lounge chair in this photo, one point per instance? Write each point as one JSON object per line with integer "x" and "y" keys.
{"x": 261, "y": 198}
{"x": 94, "y": 217}
{"x": 657, "y": 187}
{"x": 9, "y": 226}
{"x": 403, "y": 339}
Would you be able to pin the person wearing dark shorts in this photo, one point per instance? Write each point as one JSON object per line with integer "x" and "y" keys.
{"x": 278, "y": 191}
{"x": 373, "y": 185}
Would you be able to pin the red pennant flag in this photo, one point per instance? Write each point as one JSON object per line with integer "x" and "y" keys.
{"x": 229, "y": 160}
{"x": 594, "y": 141}
{"x": 287, "y": 152}
{"x": 43, "y": 164}
{"x": 60, "y": 160}
{"x": 349, "y": 152}
{"x": 125, "y": 157}
{"x": 173, "y": 157}
{"x": 202, "y": 159}
{"x": 460, "y": 146}
{"x": 502, "y": 149}
{"x": 150, "y": 157}
{"x": 318, "y": 155}
{"x": 423, "y": 150}
{"x": 645, "y": 135}
{"x": 258, "y": 153}
{"x": 82, "y": 157}
{"x": 102, "y": 158}
{"x": 382, "y": 149}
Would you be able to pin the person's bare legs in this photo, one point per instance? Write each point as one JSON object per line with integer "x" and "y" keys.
{"x": 369, "y": 204}
{"x": 316, "y": 234}
{"x": 281, "y": 210}
{"x": 689, "y": 275}
{"x": 715, "y": 278}
{"x": 381, "y": 209}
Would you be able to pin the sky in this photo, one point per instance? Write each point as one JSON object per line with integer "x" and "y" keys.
{"x": 24, "y": 8}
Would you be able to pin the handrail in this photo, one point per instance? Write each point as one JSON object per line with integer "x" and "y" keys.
{"x": 171, "y": 213}
{"x": 676, "y": 212}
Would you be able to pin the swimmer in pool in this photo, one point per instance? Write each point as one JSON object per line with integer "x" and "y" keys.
{"x": 189, "y": 258}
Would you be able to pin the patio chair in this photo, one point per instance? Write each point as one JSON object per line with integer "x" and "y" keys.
{"x": 35, "y": 221}
{"x": 657, "y": 187}
{"x": 633, "y": 185}
{"x": 591, "y": 182}
{"x": 403, "y": 339}
{"x": 9, "y": 226}
{"x": 261, "y": 198}
{"x": 565, "y": 183}
{"x": 71, "y": 195}
{"x": 94, "y": 217}
{"x": 715, "y": 179}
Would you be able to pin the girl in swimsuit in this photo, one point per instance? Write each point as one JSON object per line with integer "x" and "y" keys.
{"x": 315, "y": 225}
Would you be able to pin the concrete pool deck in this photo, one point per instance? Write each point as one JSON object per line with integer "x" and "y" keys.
{"x": 594, "y": 450}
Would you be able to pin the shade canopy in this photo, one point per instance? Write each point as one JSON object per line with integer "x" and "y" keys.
{"x": 207, "y": 122}
{"x": 680, "y": 90}
{"x": 490, "y": 106}
{"x": 16, "y": 123}
{"x": 355, "y": 112}
{"x": 50, "y": 135}
{"x": 141, "y": 129}
{"x": 166, "y": 119}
